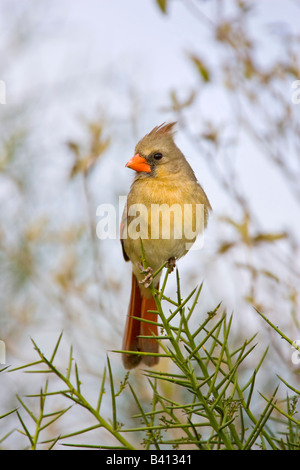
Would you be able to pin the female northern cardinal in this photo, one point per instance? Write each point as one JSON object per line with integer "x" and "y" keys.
{"x": 164, "y": 179}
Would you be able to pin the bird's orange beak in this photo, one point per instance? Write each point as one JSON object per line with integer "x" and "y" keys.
{"x": 139, "y": 163}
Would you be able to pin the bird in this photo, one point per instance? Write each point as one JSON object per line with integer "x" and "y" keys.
{"x": 164, "y": 180}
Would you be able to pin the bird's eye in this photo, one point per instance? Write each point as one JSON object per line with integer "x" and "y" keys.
{"x": 157, "y": 156}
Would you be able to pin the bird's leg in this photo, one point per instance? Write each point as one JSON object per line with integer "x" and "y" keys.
{"x": 148, "y": 279}
{"x": 171, "y": 264}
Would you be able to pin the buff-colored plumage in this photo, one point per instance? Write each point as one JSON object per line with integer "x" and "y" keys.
{"x": 169, "y": 182}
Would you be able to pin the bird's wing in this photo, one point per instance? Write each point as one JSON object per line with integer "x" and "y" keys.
{"x": 122, "y": 230}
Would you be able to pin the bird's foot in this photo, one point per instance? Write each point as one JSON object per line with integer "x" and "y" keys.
{"x": 171, "y": 264}
{"x": 148, "y": 279}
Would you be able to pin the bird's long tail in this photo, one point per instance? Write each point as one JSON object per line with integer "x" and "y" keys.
{"x": 136, "y": 329}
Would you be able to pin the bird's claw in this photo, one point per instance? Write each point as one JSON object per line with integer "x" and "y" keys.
{"x": 171, "y": 264}
{"x": 148, "y": 279}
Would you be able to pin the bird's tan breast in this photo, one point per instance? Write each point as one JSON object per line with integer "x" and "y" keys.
{"x": 166, "y": 191}
{"x": 165, "y": 212}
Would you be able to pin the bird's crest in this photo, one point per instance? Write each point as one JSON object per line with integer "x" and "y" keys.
{"x": 166, "y": 130}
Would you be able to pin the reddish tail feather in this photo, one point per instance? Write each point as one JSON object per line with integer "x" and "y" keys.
{"x": 138, "y": 307}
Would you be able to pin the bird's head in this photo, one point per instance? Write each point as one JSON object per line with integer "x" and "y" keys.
{"x": 156, "y": 153}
